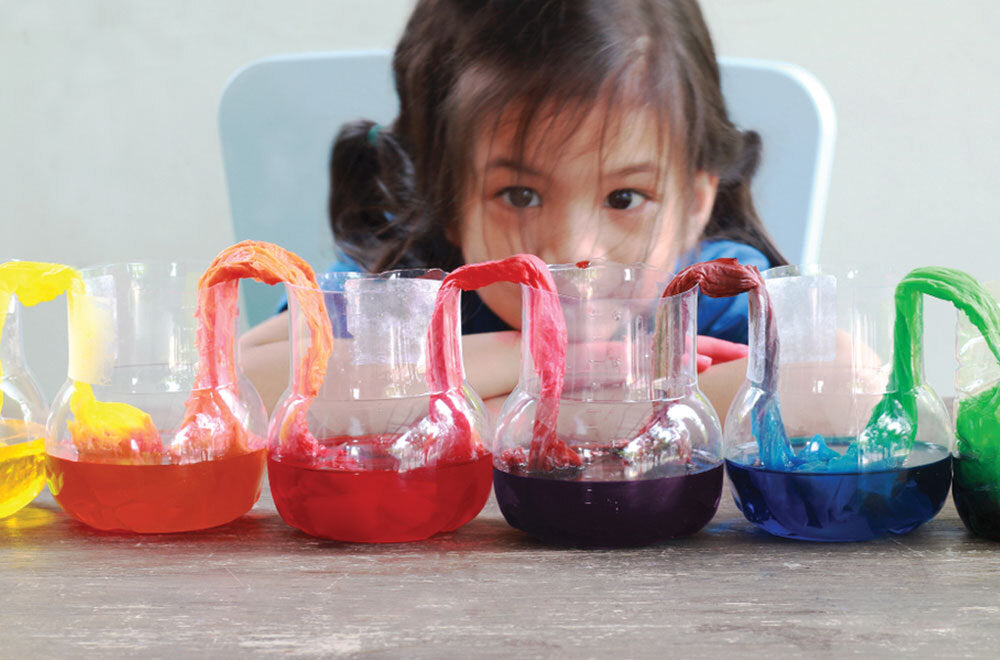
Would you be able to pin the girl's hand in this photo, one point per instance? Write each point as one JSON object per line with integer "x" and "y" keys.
{"x": 712, "y": 351}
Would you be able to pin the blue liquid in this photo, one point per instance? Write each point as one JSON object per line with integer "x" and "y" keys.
{"x": 844, "y": 506}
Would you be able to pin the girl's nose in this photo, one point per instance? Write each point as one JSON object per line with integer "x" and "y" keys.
{"x": 573, "y": 237}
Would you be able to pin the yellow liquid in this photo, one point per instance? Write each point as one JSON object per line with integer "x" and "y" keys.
{"x": 97, "y": 423}
{"x": 22, "y": 474}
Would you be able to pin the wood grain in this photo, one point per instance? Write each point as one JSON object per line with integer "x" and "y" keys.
{"x": 258, "y": 587}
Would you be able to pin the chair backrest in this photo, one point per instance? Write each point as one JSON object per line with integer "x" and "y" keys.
{"x": 278, "y": 117}
{"x": 794, "y": 115}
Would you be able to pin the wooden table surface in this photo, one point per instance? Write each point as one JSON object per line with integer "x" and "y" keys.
{"x": 258, "y": 587}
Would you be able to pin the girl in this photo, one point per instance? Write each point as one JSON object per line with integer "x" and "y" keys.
{"x": 571, "y": 129}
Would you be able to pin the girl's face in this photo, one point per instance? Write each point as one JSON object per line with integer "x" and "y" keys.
{"x": 596, "y": 188}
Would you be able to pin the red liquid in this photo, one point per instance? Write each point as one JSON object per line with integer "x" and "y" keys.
{"x": 380, "y": 506}
{"x": 157, "y": 498}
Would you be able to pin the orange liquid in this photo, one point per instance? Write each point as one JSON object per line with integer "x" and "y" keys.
{"x": 157, "y": 498}
{"x": 380, "y": 506}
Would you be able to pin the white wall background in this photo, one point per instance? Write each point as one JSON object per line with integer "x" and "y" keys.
{"x": 109, "y": 150}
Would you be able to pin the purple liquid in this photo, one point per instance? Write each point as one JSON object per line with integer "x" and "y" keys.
{"x": 581, "y": 512}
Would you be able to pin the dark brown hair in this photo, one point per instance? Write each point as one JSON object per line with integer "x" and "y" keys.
{"x": 395, "y": 193}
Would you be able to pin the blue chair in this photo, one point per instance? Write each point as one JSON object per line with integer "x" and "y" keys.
{"x": 278, "y": 117}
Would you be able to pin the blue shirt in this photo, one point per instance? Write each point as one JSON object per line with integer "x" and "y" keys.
{"x": 724, "y": 318}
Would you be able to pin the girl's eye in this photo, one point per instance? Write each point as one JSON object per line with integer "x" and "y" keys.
{"x": 624, "y": 199}
{"x": 520, "y": 197}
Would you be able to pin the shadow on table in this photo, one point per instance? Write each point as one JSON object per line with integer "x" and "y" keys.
{"x": 28, "y": 518}
{"x": 44, "y": 523}
{"x": 263, "y": 531}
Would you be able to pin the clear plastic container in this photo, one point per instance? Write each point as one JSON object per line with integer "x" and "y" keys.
{"x": 641, "y": 445}
{"x": 976, "y": 479}
{"x": 803, "y": 454}
{"x": 136, "y": 440}
{"x": 22, "y": 419}
{"x": 378, "y": 455}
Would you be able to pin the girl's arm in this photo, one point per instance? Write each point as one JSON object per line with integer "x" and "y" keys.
{"x": 721, "y": 382}
{"x": 853, "y": 381}
{"x": 492, "y": 360}
{"x": 264, "y": 351}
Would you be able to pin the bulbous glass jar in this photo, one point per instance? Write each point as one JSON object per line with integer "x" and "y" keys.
{"x": 636, "y": 452}
{"x": 976, "y": 479}
{"x": 22, "y": 418}
{"x": 822, "y": 443}
{"x": 137, "y": 439}
{"x": 377, "y": 454}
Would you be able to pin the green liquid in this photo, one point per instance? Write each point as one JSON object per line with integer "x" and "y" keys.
{"x": 893, "y": 424}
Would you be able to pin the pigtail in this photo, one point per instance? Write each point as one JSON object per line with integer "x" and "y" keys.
{"x": 734, "y": 216}
{"x": 374, "y": 210}
{"x": 385, "y": 208}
